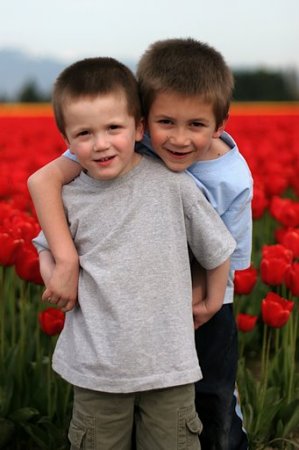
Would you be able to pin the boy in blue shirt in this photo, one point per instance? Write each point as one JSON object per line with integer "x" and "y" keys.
{"x": 186, "y": 89}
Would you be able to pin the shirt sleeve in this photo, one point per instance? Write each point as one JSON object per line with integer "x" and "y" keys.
{"x": 68, "y": 154}
{"x": 40, "y": 242}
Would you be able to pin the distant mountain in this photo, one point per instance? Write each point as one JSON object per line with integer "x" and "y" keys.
{"x": 18, "y": 68}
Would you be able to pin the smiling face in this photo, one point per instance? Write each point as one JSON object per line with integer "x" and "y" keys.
{"x": 182, "y": 130}
{"x": 101, "y": 133}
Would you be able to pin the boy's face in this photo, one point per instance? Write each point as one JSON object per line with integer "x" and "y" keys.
{"x": 182, "y": 130}
{"x": 102, "y": 135}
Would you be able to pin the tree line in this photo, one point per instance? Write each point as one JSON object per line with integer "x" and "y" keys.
{"x": 253, "y": 85}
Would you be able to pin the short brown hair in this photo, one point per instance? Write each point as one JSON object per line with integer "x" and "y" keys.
{"x": 92, "y": 77}
{"x": 188, "y": 67}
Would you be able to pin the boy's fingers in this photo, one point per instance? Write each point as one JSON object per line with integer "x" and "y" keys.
{"x": 69, "y": 306}
{"x": 46, "y": 295}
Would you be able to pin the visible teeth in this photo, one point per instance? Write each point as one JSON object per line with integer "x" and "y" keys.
{"x": 105, "y": 159}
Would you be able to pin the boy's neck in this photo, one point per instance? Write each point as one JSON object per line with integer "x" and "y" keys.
{"x": 218, "y": 148}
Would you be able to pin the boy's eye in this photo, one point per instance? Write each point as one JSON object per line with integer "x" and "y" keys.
{"x": 165, "y": 121}
{"x": 197, "y": 124}
{"x": 83, "y": 133}
{"x": 114, "y": 127}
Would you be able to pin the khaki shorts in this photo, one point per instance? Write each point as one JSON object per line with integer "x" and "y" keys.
{"x": 164, "y": 419}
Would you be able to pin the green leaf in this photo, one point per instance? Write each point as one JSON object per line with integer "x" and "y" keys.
{"x": 7, "y": 429}
{"x": 289, "y": 415}
{"x": 38, "y": 435}
{"x": 6, "y": 393}
{"x": 24, "y": 415}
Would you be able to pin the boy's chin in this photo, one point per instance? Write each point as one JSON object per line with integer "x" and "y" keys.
{"x": 177, "y": 166}
{"x": 177, "y": 163}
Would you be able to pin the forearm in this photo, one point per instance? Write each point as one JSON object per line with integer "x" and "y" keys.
{"x": 216, "y": 282}
{"x": 216, "y": 286}
{"x": 46, "y": 265}
{"x": 198, "y": 282}
{"x": 45, "y": 188}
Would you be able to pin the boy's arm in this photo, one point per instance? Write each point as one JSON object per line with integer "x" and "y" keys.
{"x": 45, "y": 188}
{"x": 199, "y": 282}
{"x": 216, "y": 280}
{"x": 47, "y": 267}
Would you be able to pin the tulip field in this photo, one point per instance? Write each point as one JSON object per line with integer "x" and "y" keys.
{"x": 35, "y": 404}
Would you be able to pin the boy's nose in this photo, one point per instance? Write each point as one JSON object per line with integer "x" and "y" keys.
{"x": 179, "y": 137}
{"x": 101, "y": 143}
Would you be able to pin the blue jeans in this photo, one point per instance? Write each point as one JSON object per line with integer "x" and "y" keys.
{"x": 217, "y": 349}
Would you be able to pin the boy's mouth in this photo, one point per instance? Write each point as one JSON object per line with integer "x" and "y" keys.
{"x": 107, "y": 158}
{"x": 179, "y": 154}
{"x": 104, "y": 161}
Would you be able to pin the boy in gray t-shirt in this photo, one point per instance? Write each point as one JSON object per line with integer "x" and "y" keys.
{"x": 128, "y": 346}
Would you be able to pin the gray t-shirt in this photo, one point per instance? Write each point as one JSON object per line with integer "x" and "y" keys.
{"x": 133, "y": 328}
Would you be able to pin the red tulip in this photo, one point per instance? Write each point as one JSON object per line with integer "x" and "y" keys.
{"x": 277, "y": 251}
{"x": 6, "y": 211}
{"x": 259, "y": 201}
{"x": 292, "y": 279}
{"x": 289, "y": 238}
{"x": 273, "y": 270}
{"x": 276, "y": 310}
{"x": 9, "y": 247}
{"x": 23, "y": 226}
{"x": 295, "y": 180}
{"x": 27, "y": 264}
{"x": 276, "y": 180}
{"x": 285, "y": 210}
{"x": 245, "y": 280}
{"x": 246, "y": 322}
{"x": 275, "y": 261}
{"x": 51, "y": 321}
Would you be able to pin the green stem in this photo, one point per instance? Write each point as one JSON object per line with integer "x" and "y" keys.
{"x": 263, "y": 355}
{"x": 12, "y": 293}
{"x": 49, "y": 388}
{"x": 264, "y": 376}
{"x": 293, "y": 326}
{"x": 23, "y": 332}
{"x": 277, "y": 334}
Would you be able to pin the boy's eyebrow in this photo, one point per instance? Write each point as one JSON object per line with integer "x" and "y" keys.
{"x": 191, "y": 119}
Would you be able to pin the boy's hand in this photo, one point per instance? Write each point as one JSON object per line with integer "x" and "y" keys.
{"x": 61, "y": 281}
{"x": 202, "y": 313}
{"x": 215, "y": 292}
{"x": 199, "y": 282}
{"x": 62, "y": 287}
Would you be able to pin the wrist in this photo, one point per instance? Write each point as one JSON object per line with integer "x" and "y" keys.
{"x": 213, "y": 305}
{"x": 67, "y": 261}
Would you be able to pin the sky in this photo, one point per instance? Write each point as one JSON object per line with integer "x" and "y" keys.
{"x": 263, "y": 33}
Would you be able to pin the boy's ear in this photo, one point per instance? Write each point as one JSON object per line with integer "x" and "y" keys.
{"x": 139, "y": 130}
{"x": 65, "y": 139}
{"x": 67, "y": 142}
{"x": 220, "y": 128}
